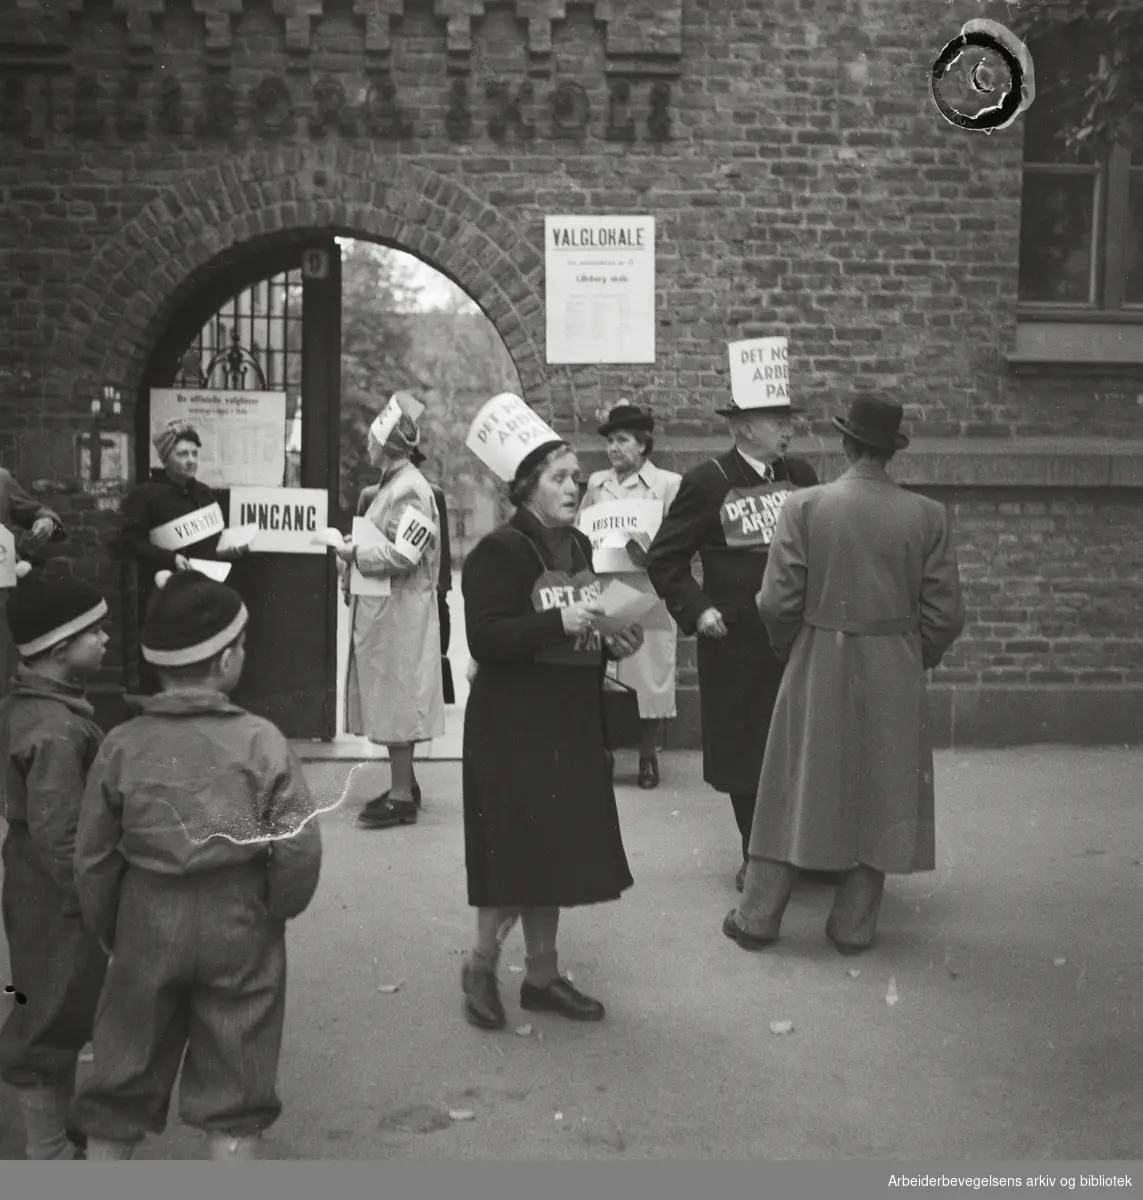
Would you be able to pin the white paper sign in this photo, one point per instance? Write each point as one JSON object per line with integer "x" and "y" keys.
{"x": 611, "y": 524}
{"x": 217, "y": 571}
{"x": 623, "y": 606}
{"x": 414, "y": 535}
{"x": 387, "y": 418}
{"x": 288, "y": 519}
{"x": 504, "y": 432}
{"x": 365, "y": 533}
{"x": 7, "y": 558}
{"x": 759, "y": 373}
{"x": 243, "y": 433}
{"x": 600, "y": 289}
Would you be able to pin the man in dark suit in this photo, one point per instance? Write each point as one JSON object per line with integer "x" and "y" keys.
{"x": 725, "y": 512}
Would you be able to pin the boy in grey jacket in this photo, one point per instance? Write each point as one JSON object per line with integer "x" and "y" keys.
{"x": 197, "y": 842}
{"x": 48, "y": 740}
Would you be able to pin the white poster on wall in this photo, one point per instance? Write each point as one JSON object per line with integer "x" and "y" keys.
{"x": 243, "y": 433}
{"x": 600, "y": 289}
{"x": 288, "y": 519}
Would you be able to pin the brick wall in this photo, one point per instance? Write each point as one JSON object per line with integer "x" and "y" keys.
{"x": 804, "y": 184}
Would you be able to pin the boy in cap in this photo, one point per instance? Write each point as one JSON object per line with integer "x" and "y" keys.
{"x": 48, "y": 741}
{"x": 196, "y": 844}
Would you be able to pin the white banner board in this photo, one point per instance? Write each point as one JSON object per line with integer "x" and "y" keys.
{"x": 243, "y": 433}
{"x": 600, "y": 289}
{"x": 759, "y": 373}
{"x": 288, "y": 519}
{"x": 611, "y": 524}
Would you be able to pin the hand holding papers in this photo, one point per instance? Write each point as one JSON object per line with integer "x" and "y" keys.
{"x": 241, "y": 538}
{"x": 623, "y": 606}
{"x": 329, "y": 537}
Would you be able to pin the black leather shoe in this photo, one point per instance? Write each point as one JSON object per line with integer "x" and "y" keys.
{"x": 386, "y": 812}
{"x": 648, "y": 772}
{"x": 380, "y": 801}
{"x": 482, "y": 1004}
{"x": 847, "y": 948}
{"x": 746, "y": 940}
{"x": 560, "y": 997}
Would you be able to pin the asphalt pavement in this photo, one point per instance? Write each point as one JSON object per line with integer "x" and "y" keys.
{"x": 997, "y": 1017}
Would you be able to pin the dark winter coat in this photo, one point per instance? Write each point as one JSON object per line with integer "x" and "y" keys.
{"x": 540, "y": 819}
{"x": 739, "y": 674}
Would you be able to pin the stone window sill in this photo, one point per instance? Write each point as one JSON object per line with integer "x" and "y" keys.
{"x": 1084, "y": 344}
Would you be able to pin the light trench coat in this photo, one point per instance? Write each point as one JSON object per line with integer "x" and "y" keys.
{"x": 862, "y": 594}
{"x": 651, "y": 670}
{"x": 393, "y": 692}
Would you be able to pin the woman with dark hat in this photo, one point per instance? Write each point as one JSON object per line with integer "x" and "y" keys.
{"x": 632, "y": 476}
{"x": 173, "y": 517}
{"x": 541, "y": 825}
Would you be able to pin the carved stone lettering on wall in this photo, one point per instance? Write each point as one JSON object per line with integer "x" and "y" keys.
{"x": 510, "y": 109}
{"x": 331, "y": 111}
{"x": 383, "y": 116}
{"x": 571, "y": 110}
{"x": 88, "y": 119}
{"x": 170, "y": 116}
{"x": 458, "y": 120}
{"x": 140, "y": 104}
{"x": 273, "y": 108}
{"x": 620, "y": 121}
{"x": 219, "y": 118}
{"x": 130, "y": 117}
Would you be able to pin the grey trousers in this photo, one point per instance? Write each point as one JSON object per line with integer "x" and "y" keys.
{"x": 769, "y": 885}
{"x": 198, "y": 966}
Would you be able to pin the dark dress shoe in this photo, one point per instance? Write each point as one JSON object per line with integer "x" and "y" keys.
{"x": 560, "y": 997}
{"x": 648, "y": 772}
{"x": 847, "y": 948}
{"x": 379, "y": 801}
{"x": 482, "y": 1004}
{"x": 385, "y": 812}
{"x": 746, "y": 940}
{"x": 740, "y": 878}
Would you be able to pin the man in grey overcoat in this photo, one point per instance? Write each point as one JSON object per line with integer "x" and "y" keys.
{"x": 862, "y": 596}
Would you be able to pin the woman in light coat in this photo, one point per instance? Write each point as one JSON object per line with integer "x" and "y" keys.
{"x": 393, "y": 685}
{"x": 651, "y": 672}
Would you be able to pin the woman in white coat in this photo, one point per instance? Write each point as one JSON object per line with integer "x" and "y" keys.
{"x": 393, "y": 685}
{"x": 651, "y": 671}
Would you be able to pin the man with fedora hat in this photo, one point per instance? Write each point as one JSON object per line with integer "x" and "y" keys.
{"x": 862, "y": 596}
{"x": 725, "y": 512}
{"x": 651, "y": 670}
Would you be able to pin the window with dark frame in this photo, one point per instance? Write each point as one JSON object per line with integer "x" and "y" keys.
{"x": 1081, "y": 217}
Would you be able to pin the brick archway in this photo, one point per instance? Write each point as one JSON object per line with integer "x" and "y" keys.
{"x": 212, "y": 217}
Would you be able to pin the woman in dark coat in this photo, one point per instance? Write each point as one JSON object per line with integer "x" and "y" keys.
{"x": 172, "y": 518}
{"x": 540, "y": 819}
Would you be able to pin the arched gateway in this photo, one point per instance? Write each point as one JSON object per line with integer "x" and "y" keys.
{"x": 269, "y": 221}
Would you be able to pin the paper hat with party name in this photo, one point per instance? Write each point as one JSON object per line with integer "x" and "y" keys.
{"x": 759, "y": 376}
{"x": 507, "y": 436}
{"x": 44, "y": 612}
{"x": 190, "y": 619}
{"x": 401, "y": 404}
